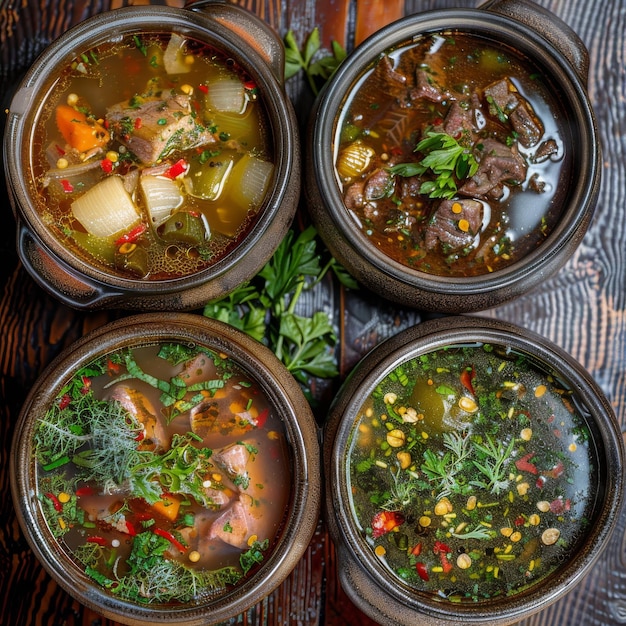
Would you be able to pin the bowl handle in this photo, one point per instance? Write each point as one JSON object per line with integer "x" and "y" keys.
{"x": 252, "y": 29}
{"x": 55, "y": 279}
{"x": 544, "y": 22}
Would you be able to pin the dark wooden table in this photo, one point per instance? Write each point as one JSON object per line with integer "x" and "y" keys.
{"x": 582, "y": 309}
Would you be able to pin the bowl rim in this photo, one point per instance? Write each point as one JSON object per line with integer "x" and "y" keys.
{"x": 281, "y": 390}
{"x": 323, "y": 130}
{"x": 408, "y": 603}
{"x": 108, "y": 26}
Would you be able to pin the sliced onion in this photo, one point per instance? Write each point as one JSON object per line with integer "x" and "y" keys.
{"x": 106, "y": 209}
{"x": 161, "y": 196}
{"x": 173, "y": 57}
{"x": 227, "y": 95}
{"x": 249, "y": 181}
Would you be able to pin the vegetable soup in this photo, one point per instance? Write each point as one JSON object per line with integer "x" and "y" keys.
{"x": 450, "y": 155}
{"x": 470, "y": 472}
{"x": 151, "y": 156}
{"x": 164, "y": 472}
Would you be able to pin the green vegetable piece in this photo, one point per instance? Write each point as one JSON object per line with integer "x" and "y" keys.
{"x": 184, "y": 227}
{"x": 132, "y": 258}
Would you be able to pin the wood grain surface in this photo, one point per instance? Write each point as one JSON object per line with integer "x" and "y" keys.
{"x": 582, "y": 309}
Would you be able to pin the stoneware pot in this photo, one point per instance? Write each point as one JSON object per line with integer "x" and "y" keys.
{"x": 260, "y": 53}
{"x": 552, "y": 46}
{"x": 365, "y": 545}
{"x": 286, "y": 403}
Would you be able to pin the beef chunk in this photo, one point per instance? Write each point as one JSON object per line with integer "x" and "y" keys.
{"x": 427, "y": 88}
{"x": 154, "y": 127}
{"x": 459, "y": 121}
{"x": 546, "y": 150}
{"x": 504, "y": 99}
{"x": 454, "y": 224}
{"x": 498, "y": 164}
{"x": 233, "y": 526}
{"x": 378, "y": 185}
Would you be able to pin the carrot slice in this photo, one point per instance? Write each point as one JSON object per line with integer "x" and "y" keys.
{"x": 79, "y": 131}
{"x": 167, "y": 506}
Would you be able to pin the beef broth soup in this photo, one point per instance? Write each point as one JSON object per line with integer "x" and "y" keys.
{"x": 164, "y": 472}
{"x": 450, "y": 155}
{"x": 470, "y": 473}
{"x": 150, "y": 158}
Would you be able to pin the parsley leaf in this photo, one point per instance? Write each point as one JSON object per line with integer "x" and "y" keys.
{"x": 318, "y": 65}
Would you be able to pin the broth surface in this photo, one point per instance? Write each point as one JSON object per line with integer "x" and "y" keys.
{"x": 164, "y": 472}
{"x": 450, "y": 154}
{"x": 470, "y": 473}
{"x": 151, "y": 157}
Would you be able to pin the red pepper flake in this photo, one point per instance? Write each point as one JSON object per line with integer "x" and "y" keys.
{"x": 467, "y": 376}
{"x": 417, "y": 550}
{"x": 86, "y": 385}
{"x": 179, "y": 168}
{"x": 130, "y": 528}
{"x": 101, "y": 541}
{"x": 441, "y": 548}
{"x": 524, "y": 464}
{"x": 113, "y": 369}
{"x": 557, "y": 470}
{"x": 59, "y": 150}
{"x": 519, "y": 520}
{"x": 385, "y": 521}
{"x": 421, "y": 570}
{"x": 106, "y": 165}
{"x": 541, "y": 481}
{"x": 141, "y": 435}
{"x": 84, "y": 491}
{"x": 137, "y": 123}
{"x": 167, "y": 535}
{"x": 203, "y": 88}
{"x": 132, "y": 235}
{"x": 65, "y": 401}
{"x": 58, "y": 507}
{"x": 67, "y": 186}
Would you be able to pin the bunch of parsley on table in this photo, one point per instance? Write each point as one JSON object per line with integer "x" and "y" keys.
{"x": 265, "y": 308}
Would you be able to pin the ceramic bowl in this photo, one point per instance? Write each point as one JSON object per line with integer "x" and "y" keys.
{"x": 289, "y": 424}
{"x": 560, "y": 56}
{"x": 432, "y": 546}
{"x": 79, "y": 282}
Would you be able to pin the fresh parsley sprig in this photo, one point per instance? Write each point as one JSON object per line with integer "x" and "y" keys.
{"x": 265, "y": 308}
{"x": 318, "y": 65}
{"x": 446, "y": 158}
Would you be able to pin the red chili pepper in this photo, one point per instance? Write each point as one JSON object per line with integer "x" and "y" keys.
{"x": 467, "y": 376}
{"x": 137, "y": 123}
{"x": 132, "y": 235}
{"x": 113, "y": 368}
{"x": 417, "y": 550}
{"x": 179, "y": 168}
{"x": 106, "y": 165}
{"x": 132, "y": 531}
{"x": 262, "y": 418}
{"x": 86, "y": 385}
{"x": 58, "y": 507}
{"x": 84, "y": 491}
{"x": 65, "y": 401}
{"x": 101, "y": 541}
{"x": 167, "y": 535}
{"x": 441, "y": 548}
{"x": 524, "y": 464}
{"x": 67, "y": 186}
{"x": 421, "y": 570}
{"x": 203, "y": 88}
{"x": 445, "y": 564}
{"x": 141, "y": 435}
{"x": 541, "y": 481}
{"x": 59, "y": 149}
{"x": 519, "y": 520}
{"x": 385, "y": 521}
{"x": 556, "y": 471}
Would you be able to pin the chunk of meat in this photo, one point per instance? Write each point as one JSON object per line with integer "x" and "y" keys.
{"x": 546, "y": 150}
{"x": 214, "y": 415}
{"x": 156, "y": 127}
{"x": 459, "y": 121}
{"x": 427, "y": 88}
{"x": 233, "y": 526}
{"x": 233, "y": 459}
{"x": 454, "y": 224}
{"x": 378, "y": 185}
{"x": 140, "y": 407}
{"x": 498, "y": 164}
{"x": 504, "y": 99}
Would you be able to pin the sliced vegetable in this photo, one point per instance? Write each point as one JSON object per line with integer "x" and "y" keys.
{"x": 174, "y": 56}
{"x": 185, "y": 227}
{"x": 132, "y": 258}
{"x": 106, "y": 209}
{"x": 161, "y": 196}
{"x": 227, "y": 95}
{"x": 168, "y": 506}
{"x": 354, "y": 159}
{"x": 78, "y": 130}
{"x": 207, "y": 181}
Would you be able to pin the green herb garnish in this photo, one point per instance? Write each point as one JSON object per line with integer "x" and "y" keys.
{"x": 446, "y": 158}
{"x": 318, "y": 67}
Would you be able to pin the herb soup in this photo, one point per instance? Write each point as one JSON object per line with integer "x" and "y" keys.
{"x": 164, "y": 472}
{"x": 151, "y": 158}
{"x": 470, "y": 473}
{"x": 450, "y": 155}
